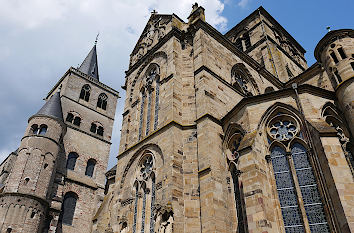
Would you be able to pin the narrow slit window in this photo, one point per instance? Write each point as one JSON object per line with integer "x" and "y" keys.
{"x": 352, "y": 64}
{"x": 247, "y": 40}
{"x": 334, "y": 57}
{"x": 77, "y": 121}
{"x": 341, "y": 53}
{"x": 90, "y": 167}
{"x": 71, "y": 162}
{"x": 238, "y": 44}
{"x": 338, "y": 77}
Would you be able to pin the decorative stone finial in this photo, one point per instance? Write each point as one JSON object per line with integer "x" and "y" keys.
{"x": 154, "y": 12}
{"x": 328, "y": 28}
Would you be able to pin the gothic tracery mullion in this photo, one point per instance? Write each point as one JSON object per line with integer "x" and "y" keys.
{"x": 135, "y": 211}
{"x": 156, "y": 115}
{"x": 141, "y": 115}
{"x": 152, "y": 225}
{"x": 143, "y": 213}
{"x": 148, "y": 113}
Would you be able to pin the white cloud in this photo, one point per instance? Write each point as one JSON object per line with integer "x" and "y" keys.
{"x": 243, "y": 3}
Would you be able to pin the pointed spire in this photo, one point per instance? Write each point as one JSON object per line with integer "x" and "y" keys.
{"x": 90, "y": 66}
{"x": 52, "y": 107}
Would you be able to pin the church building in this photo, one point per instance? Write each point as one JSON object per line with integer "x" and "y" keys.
{"x": 233, "y": 132}
{"x": 221, "y": 133}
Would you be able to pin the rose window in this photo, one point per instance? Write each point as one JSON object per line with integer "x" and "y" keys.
{"x": 146, "y": 167}
{"x": 283, "y": 130}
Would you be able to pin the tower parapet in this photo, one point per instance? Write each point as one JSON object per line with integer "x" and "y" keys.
{"x": 335, "y": 52}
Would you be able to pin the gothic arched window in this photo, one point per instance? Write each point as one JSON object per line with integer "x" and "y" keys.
{"x": 292, "y": 168}
{"x": 102, "y": 101}
{"x": 241, "y": 80}
{"x": 68, "y": 208}
{"x": 233, "y": 144}
{"x": 149, "y": 108}
{"x": 71, "y": 162}
{"x": 145, "y": 189}
{"x": 85, "y": 92}
{"x": 90, "y": 167}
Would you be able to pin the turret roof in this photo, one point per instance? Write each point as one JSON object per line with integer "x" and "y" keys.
{"x": 52, "y": 108}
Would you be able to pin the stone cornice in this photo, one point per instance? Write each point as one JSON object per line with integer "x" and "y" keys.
{"x": 163, "y": 128}
{"x": 84, "y": 76}
{"x": 305, "y": 88}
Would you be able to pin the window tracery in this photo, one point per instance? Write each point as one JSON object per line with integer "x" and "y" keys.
{"x": 242, "y": 80}
{"x": 145, "y": 189}
{"x": 233, "y": 144}
{"x": 149, "y": 108}
{"x": 102, "y": 101}
{"x": 292, "y": 168}
{"x": 85, "y": 92}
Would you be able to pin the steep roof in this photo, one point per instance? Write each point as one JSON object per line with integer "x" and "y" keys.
{"x": 52, "y": 108}
{"x": 90, "y": 66}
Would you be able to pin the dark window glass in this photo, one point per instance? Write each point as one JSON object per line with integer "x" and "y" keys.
{"x": 93, "y": 128}
{"x": 102, "y": 101}
{"x": 338, "y": 77}
{"x": 70, "y": 163}
{"x": 290, "y": 74}
{"x": 70, "y": 117}
{"x": 238, "y": 44}
{"x": 34, "y": 129}
{"x": 100, "y": 130}
{"x": 85, "y": 92}
{"x": 90, "y": 167}
{"x": 240, "y": 204}
{"x": 77, "y": 121}
{"x": 341, "y": 53}
{"x": 334, "y": 57}
{"x": 247, "y": 39}
{"x": 352, "y": 64}
{"x": 68, "y": 208}
{"x": 43, "y": 130}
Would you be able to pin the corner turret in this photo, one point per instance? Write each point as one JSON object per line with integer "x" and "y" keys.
{"x": 335, "y": 52}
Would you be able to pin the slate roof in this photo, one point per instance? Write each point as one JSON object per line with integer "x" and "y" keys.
{"x": 52, "y": 107}
{"x": 90, "y": 66}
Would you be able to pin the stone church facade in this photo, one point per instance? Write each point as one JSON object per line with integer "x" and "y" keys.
{"x": 233, "y": 132}
{"x": 221, "y": 133}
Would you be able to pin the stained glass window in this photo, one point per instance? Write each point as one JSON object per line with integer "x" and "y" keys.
{"x": 135, "y": 210}
{"x": 286, "y": 191}
{"x": 143, "y": 214}
{"x": 309, "y": 190}
{"x": 283, "y": 130}
{"x": 152, "y": 223}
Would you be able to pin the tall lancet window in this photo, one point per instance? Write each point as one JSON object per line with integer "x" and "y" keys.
{"x": 149, "y": 101}
{"x": 296, "y": 182}
{"x": 233, "y": 157}
{"x": 144, "y": 196}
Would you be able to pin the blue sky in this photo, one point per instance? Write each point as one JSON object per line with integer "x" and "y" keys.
{"x": 40, "y": 40}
